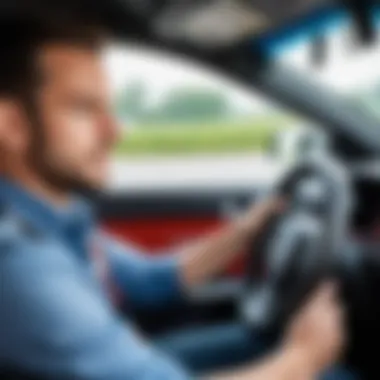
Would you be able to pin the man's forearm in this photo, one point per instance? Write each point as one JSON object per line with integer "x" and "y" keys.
{"x": 210, "y": 256}
{"x": 291, "y": 364}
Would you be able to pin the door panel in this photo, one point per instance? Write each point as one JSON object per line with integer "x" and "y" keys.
{"x": 161, "y": 224}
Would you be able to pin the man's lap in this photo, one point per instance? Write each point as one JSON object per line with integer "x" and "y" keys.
{"x": 214, "y": 348}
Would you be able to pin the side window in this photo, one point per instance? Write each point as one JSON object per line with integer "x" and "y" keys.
{"x": 184, "y": 126}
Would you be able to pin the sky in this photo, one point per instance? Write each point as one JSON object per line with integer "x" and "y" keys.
{"x": 346, "y": 71}
{"x": 163, "y": 72}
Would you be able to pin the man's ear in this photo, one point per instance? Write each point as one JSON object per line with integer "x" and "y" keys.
{"x": 13, "y": 126}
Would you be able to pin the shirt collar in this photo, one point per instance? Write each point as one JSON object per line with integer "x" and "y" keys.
{"x": 77, "y": 215}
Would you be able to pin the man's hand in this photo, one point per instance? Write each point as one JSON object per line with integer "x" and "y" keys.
{"x": 318, "y": 330}
{"x": 212, "y": 255}
{"x": 259, "y": 215}
{"x": 313, "y": 343}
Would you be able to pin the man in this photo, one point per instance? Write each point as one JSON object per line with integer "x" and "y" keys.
{"x": 56, "y": 318}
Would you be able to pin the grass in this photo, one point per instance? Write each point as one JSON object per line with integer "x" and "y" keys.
{"x": 217, "y": 137}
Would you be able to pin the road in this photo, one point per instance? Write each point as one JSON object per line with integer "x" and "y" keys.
{"x": 191, "y": 173}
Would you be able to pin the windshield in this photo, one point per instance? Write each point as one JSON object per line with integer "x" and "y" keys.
{"x": 346, "y": 68}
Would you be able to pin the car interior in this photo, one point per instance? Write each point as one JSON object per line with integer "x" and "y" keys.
{"x": 331, "y": 228}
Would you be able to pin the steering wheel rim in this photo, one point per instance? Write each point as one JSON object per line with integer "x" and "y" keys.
{"x": 300, "y": 248}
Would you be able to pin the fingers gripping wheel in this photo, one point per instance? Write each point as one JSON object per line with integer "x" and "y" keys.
{"x": 301, "y": 247}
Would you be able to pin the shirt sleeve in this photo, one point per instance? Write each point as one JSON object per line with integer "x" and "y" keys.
{"x": 145, "y": 281}
{"x": 54, "y": 324}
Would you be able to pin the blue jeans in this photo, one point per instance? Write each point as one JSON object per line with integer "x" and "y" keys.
{"x": 209, "y": 349}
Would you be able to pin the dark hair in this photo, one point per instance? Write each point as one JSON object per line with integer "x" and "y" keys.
{"x": 25, "y": 30}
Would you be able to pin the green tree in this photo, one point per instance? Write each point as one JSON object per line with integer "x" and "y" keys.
{"x": 132, "y": 101}
{"x": 192, "y": 104}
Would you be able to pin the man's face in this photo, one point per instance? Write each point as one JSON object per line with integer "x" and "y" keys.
{"x": 75, "y": 130}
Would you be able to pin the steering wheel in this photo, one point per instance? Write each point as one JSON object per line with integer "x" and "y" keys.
{"x": 301, "y": 247}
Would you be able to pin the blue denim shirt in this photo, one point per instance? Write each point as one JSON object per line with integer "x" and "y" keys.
{"x": 56, "y": 320}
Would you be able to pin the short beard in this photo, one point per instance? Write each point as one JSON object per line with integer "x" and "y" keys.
{"x": 40, "y": 162}
{"x": 51, "y": 175}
